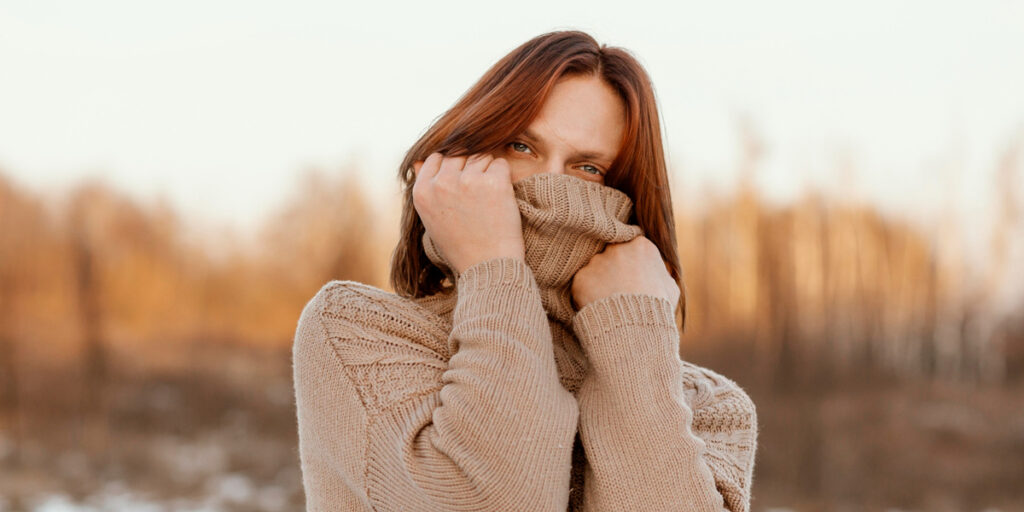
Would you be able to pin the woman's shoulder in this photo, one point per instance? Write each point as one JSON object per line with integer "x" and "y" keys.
{"x": 696, "y": 373}
{"x": 340, "y": 297}
{"x": 351, "y": 312}
{"x": 718, "y": 402}
{"x": 725, "y": 418}
{"x": 388, "y": 348}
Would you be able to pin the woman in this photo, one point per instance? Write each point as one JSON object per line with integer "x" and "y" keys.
{"x": 529, "y": 358}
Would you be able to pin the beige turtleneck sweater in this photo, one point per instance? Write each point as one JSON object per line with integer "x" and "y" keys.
{"x": 494, "y": 394}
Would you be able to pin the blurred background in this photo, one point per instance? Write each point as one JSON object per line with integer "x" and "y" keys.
{"x": 178, "y": 179}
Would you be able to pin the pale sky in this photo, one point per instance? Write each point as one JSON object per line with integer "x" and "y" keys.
{"x": 219, "y": 105}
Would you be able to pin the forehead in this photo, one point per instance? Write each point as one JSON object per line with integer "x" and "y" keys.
{"x": 582, "y": 114}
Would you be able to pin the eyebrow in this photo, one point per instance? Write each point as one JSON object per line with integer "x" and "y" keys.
{"x": 590, "y": 155}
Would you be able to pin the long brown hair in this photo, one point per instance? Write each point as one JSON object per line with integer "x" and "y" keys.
{"x": 504, "y": 102}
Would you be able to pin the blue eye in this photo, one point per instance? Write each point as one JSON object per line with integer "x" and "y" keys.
{"x": 516, "y": 145}
{"x": 596, "y": 171}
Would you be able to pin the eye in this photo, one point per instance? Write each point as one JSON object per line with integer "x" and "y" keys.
{"x": 518, "y": 147}
{"x": 590, "y": 169}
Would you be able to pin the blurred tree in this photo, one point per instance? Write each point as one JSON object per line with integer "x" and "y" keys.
{"x": 328, "y": 230}
{"x": 87, "y": 209}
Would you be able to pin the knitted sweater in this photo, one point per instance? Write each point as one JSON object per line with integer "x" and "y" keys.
{"x": 495, "y": 394}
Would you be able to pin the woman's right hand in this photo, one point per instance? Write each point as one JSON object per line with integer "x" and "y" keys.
{"x": 468, "y": 208}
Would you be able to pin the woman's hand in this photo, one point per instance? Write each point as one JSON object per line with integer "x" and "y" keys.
{"x": 630, "y": 267}
{"x": 468, "y": 208}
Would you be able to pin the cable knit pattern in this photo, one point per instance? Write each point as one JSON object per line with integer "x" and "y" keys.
{"x": 495, "y": 394}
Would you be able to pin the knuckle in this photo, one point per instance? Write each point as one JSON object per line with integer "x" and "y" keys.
{"x": 468, "y": 182}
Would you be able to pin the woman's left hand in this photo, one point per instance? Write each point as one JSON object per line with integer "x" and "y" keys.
{"x": 630, "y": 267}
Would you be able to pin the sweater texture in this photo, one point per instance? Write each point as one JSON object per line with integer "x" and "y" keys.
{"x": 496, "y": 394}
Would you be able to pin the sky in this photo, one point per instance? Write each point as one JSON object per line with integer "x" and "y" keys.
{"x": 219, "y": 105}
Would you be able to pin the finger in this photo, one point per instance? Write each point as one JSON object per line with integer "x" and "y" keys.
{"x": 451, "y": 165}
{"x": 430, "y": 166}
{"x": 499, "y": 166}
{"x": 477, "y": 163}
{"x": 474, "y": 158}
{"x": 416, "y": 167}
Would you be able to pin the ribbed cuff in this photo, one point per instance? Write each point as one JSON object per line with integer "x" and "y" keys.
{"x": 495, "y": 272}
{"x": 643, "y": 325}
{"x": 619, "y": 309}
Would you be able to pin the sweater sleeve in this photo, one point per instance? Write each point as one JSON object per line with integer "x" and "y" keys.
{"x": 660, "y": 433}
{"x": 490, "y": 428}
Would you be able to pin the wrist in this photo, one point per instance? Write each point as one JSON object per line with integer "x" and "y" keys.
{"x": 476, "y": 259}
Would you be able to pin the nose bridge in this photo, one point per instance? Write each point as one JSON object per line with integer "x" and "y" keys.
{"x": 554, "y": 165}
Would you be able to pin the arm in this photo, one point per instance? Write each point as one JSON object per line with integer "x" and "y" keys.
{"x": 659, "y": 433}
{"x": 490, "y": 429}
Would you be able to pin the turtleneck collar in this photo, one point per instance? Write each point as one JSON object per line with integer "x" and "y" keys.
{"x": 566, "y": 220}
